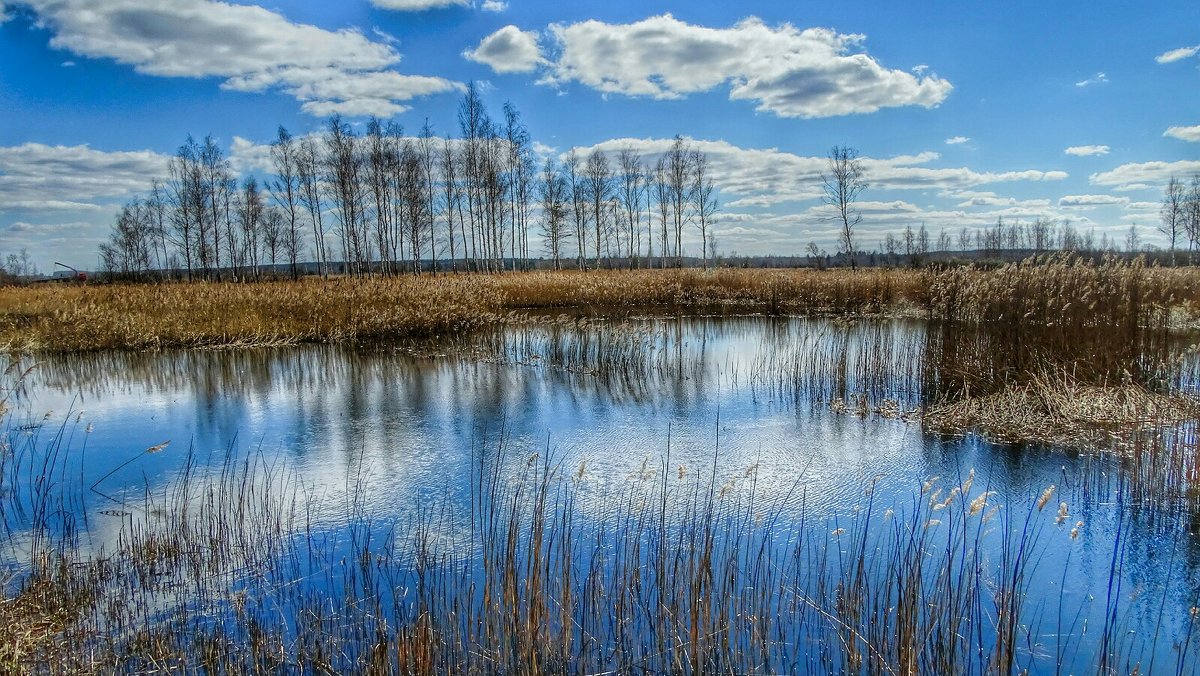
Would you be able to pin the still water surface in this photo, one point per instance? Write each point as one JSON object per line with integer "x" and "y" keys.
{"x": 750, "y": 395}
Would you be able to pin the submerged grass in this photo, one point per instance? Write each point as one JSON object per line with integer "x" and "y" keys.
{"x": 228, "y": 570}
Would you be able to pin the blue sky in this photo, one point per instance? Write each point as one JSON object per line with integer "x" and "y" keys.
{"x": 965, "y": 111}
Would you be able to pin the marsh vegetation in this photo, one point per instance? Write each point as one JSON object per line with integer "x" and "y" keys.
{"x": 959, "y": 471}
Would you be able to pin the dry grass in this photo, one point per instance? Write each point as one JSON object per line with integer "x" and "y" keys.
{"x": 1102, "y": 323}
{"x": 1027, "y": 308}
{"x": 1059, "y": 350}
{"x": 140, "y": 317}
{"x": 1056, "y": 410}
{"x": 32, "y": 622}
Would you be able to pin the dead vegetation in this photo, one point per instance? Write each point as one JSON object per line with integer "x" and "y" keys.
{"x": 357, "y": 310}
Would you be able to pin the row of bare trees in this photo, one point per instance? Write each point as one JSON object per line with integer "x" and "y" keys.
{"x": 1038, "y": 236}
{"x": 383, "y": 202}
{"x": 1180, "y": 214}
{"x": 629, "y": 210}
{"x": 202, "y": 220}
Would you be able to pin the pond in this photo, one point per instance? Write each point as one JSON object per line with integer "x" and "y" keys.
{"x": 810, "y": 425}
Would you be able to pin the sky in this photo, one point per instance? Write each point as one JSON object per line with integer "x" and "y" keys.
{"x": 964, "y": 112}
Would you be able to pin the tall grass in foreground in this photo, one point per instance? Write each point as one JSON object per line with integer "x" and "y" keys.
{"x": 229, "y": 569}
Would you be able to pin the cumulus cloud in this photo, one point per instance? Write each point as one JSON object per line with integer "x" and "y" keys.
{"x": 1184, "y": 133}
{"x": 1180, "y": 54}
{"x": 1142, "y": 175}
{"x": 251, "y": 48}
{"x": 419, "y": 5}
{"x": 751, "y": 177}
{"x": 508, "y": 50}
{"x": 494, "y": 6}
{"x": 58, "y": 201}
{"x": 1087, "y": 151}
{"x": 75, "y": 178}
{"x": 1091, "y": 201}
{"x": 1098, "y": 78}
{"x": 972, "y": 199}
{"x": 957, "y": 140}
{"x": 809, "y": 73}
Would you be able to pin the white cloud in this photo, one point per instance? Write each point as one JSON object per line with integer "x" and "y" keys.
{"x": 1151, "y": 207}
{"x": 35, "y": 176}
{"x": 957, "y": 140}
{"x": 419, "y": 5}
{"x": 1141, "y": 175}
{"x": 1087, "y": 151}
{"x": 973, "y": 199}
{"x": 750, "y": 177}
{"x": 1091, "y": 201}
{"x": 494, "y": 6}
{"x": 1180, "y": 54}
{"x": 1184, "y": 133}
{"x": 810, "y": 73}
{"x": 251, "y": 48}
{"x": 58, "y": 201}
{"x": 1098, "y": 78}
{"x": 508, "y": 50}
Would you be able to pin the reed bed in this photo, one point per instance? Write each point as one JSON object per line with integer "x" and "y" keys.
{"x": 203, "y": 314}
{"x": 1101, "y": 323}
{"x": 1061, "y": 350}
{"x": 64, "y": 318}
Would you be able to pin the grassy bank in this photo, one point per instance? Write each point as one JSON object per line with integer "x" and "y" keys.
{"x": 138, "y": 317}
{"x": 1058, "y": 299}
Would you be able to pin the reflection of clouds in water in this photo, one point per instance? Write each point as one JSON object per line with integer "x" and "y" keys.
{"x": 413, "y": 422}
{"x": 746, "y": 392}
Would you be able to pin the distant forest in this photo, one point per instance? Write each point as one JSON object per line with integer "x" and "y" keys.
{"x": 388, "y": 203}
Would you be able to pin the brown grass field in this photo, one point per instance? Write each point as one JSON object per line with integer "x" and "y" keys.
{"x": 1059, "y": 294}
{"x": 60, "y": 318}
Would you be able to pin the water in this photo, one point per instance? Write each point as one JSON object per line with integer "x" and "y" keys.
{"x": 744, "y": 401}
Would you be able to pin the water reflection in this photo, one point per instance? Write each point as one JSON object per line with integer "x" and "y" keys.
{"x": 614, "y": 405}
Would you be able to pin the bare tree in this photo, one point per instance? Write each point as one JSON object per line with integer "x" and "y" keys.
{"x": 285, "y": 192}
{"x": 704, "y": 200}
{"x": 185, "y": 196}
{"x": 679, "y": 183}
{"x": 1133, "y": 241}
{"x": 128, "y": 250}
{"x": 579, "y": 210}
{"x": 598, "y": 184}
{"x": 554, "y": 203}
{"x": 381, "y": 158}
{"x": 630, "y": 190}
{"x": 452, "y": 198}
{"x": 308, "y": 175}
{"x": 1172, "y": 213}
{"x": 249, "y": 220}
{"x": 429, "y": 184}
{"x": 662, "y": 197}
{"x": 1191, "y": 216}
{"x": 344, "y": 174}
{"x": 274, "y": 234}
{"x": 843, "y": 183}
